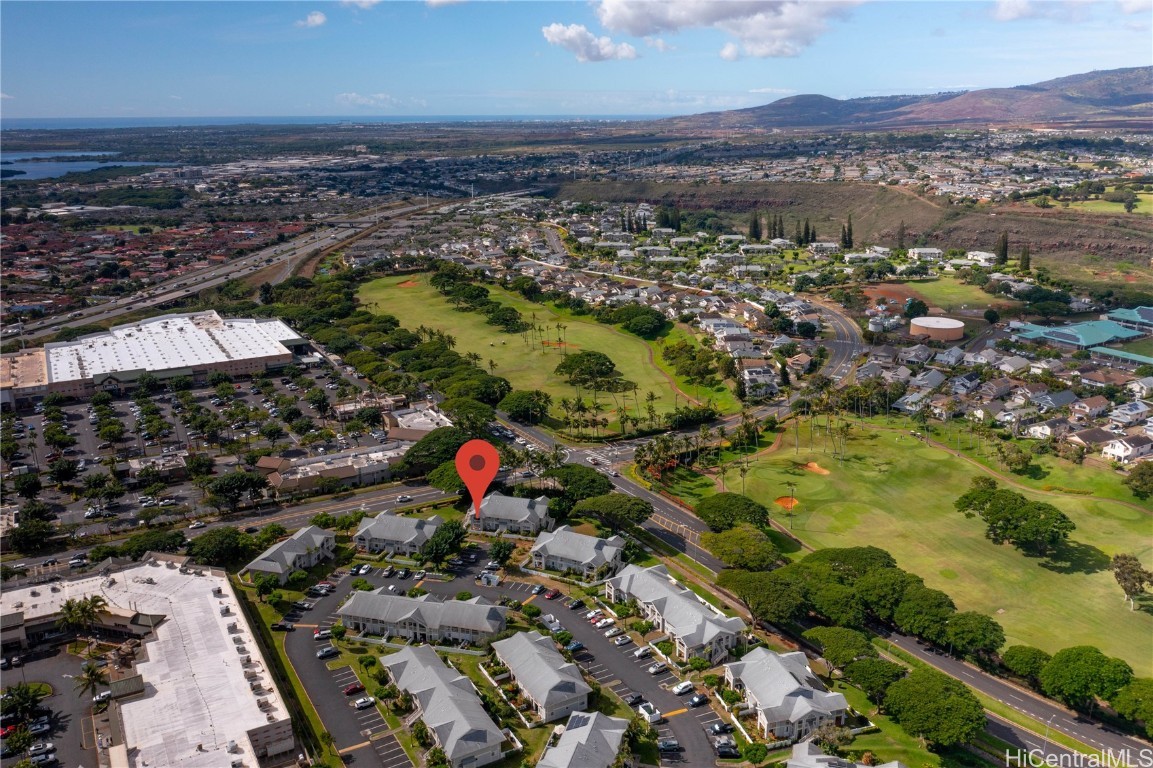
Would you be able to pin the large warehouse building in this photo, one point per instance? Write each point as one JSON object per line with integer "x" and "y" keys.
{"x": 192, "y": 344}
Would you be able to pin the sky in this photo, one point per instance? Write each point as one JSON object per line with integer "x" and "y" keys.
{"x": 487, "y": 57}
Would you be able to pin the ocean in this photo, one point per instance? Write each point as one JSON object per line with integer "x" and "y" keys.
{"x": 90, "y": 123}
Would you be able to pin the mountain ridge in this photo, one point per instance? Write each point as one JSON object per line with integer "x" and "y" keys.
{"x": 1100, "y": 98}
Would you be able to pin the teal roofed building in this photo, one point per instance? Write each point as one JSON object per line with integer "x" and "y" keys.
{"x": 1093, "y": 333}
{"x": 1119, "y": 358}
{"x": 1138, "y": 318}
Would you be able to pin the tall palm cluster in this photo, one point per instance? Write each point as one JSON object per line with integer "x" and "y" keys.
{"x": 81, "y": 613}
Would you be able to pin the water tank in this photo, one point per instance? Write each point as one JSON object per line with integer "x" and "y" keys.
{"x": 876, "y": 325}
{"x": 937, "y": 328}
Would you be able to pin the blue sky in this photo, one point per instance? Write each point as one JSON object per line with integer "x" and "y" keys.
{"x": 483, "y": 57}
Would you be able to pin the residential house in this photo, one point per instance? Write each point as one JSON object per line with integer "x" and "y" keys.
{"x": 1052, "y": 401}
{"x": 1090, "y": 407}
{"x": 1091, "y": 439}
{"x": 399, "y": 535}
{"x": 790, "y": 701}
{"x": 824, "y": 249}
{"x": 869, "y": 370}
{"x": 300, "y": 551}
{"x": 926, "y": 254}
{"x": 760, "y": 381}
{"x": 912, "y": 402}
{"x": 423, "y": 619}
{"x": 1012, "y": 364}
{"x": 694, "y": 626}
{"x": 590, "y": 740}
{"x": 983, "y": 412}
{"x": 554, "y": 687}
{"x": 1044, "y": 430}
{"x": 950, "y": 357}
{"x": 995, "y": 389}
{"x": 449, "y": 705}
{"x": 885, "y": 355}
{"x": 930, "y": 378}
{"x": 566, "y": 550}
{"x": 1126, "y": 449}
{"x": 1129, "y": 414}
{"x": 965, "y": 383}
{"x": 918, "y": 354}
{"x": 512, "y": 514}
{"x": 944, "y": 407}
{"x": 1141, "y": 387}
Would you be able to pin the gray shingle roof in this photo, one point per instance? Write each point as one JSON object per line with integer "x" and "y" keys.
{"x": 406, "y": 530}
{"x": 784, "y": 686}
{"x": 590, "y": 740}
{"x": 448, "y": 701}
{"x": 500, "y": 507}
{"x": 279, "y": 557}
{"x": 682, "y": 610}
{"x": 566, "y": 543}
{"x": 475, "y": 614}
{"x": 540, "y": 669}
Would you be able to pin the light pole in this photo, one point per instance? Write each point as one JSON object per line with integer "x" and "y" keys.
{"x": 1048, "y": 723}
{"x": 792, "y": 501}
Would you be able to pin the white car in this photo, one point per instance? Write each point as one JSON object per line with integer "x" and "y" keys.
{"x": 42, "y": 748}
{"x": 102, "y": 696}
{"x": 656, "y": 669}
{"x": 613, "y": 632}
{"x": 197, "y": 524}
{"x": 364, "y": 702}
{"x": 605, "y": 622}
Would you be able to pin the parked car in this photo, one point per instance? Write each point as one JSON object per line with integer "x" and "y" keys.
{"x": 321, "y": 634}
{"x": 42, "y": 748}
{"x": 720, "y": 728}
{"x": 537, "y": 589}
{"x": 552, "y": 594}
{"x": 327, "y": 652}
{"x": 608, "y": 621}
{"x": 669, "y": 745}
{"x": 39, "y": 729}
{"x": 657, "y": 668}
{"x": 683, "y": 687}
{"x": 195, "y": 525}
{"x": 404, "y": 498}
{"x": 303, "y": 605}
{"x": 643, "y": 652}
{"x": 574, "y": 646}
{"x": 420, "y": 574}
{"x": 699, "y": 700}
{"x": 403, "y": 573}
{"x": 633, "y": 699}
{"x": 622, "y": 640}
{"x": 613, "y": 632}
{"x": 353, "y": 688}
{"x": 727, "y": 751}
{"x": 576, "y": 604}
{"x": 283, "y": 626}
{"x": 388, "y": 571}
{"x": 364, "y": 702}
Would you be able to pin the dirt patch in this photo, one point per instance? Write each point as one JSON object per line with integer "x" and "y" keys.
{"x": 559, "y": 344}
{"x": 788, "y": 502}
{"x": 815, "y": 468}
{"x": 408, "y": 284}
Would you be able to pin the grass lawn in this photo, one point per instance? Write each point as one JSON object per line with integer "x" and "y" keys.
{"x": 949, "y": 294}
{"x": 1144, "y": 205}
{"x": 527, "y": 367}
{"x": 1142, "y": 347}
{"x": 722, "y": 396}
{"x": 897, "y": 494}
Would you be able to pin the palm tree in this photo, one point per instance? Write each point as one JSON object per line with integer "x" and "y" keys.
{"x": 89, "y": 681}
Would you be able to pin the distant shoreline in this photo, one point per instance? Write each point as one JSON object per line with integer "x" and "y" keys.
{"x": 104, "y": 123}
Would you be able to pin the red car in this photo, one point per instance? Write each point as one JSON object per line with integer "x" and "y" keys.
{"x": 353, "y": 688}
{"x": 552, "y": 594}
{"x": 7, "y": 731}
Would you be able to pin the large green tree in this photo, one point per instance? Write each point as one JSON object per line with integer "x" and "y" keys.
{"x": 432, "y": 450}
{"x": 773, "y": 596}
{"x": 1140, "y": 480}
{"x": 1131, "y": 575}
{"x": 617, "y": 510}
{"x": 874, "y": 676}
{"x": 722, "y": 511}
{"x": 1082, "y": 674}
{"x": 972, "y": 633}
{"x": 1135, "y": 702}
{"x": 935, "y": 707}
{"x": 529, "y": 406}
{"x": 924, "y": 612}
{"x": 443, "y": 543}
{"x": 222, "y": 546}
{"x": 743, "y": 546}
{"x": 1025, "y": 661}
{"x": 840, "y": 646}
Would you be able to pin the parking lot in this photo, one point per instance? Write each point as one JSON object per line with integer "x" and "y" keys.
{"x": 70, "y": 721}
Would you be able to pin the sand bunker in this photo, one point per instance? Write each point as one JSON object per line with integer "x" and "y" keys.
{"x": 408, "y": 284}
{"x": 815, "y": 468}
{"x": 788, "y": 502}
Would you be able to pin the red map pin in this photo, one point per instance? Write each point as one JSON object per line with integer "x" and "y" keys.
{"x": 477, "y": 463}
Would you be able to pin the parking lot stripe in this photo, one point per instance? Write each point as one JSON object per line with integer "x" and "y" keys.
{"x": 346, "y": 750}
{"x": 676, "y": 712}
{"x": 528, "y": 599}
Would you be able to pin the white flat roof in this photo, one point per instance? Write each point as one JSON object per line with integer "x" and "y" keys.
{"x": 196, "y": 698}
{"x": 165, "y": 343}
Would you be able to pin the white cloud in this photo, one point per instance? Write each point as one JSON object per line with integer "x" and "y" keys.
{"x": 1136, "y": 6}
{"x": 1058, "y": 10}
{"x": 777, "y": 91}
{"x": 364, "y": 5}
{"x": 1011, "y": 10}
{"x": 761, "y": 28}
{"x": 576, "y": 39}
{"x": 378, "y": 100}
{"x": 314, "y": 19}
{"x": 438, "y": 3}
{"x": 176, "y": 98}
{"x": 659, "y": 44}
{"x": 5, "y": 96}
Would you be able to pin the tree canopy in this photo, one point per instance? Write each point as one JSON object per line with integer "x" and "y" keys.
{"x": 935, "y": 707}
{"x": 840, "y": 646}
{"x": 1081, "y": 674}
{"x": 724, "y": 510}
{"x": 616, "y": 510}
{"x": 1033, "y": 526}
{"x": 432, "y": 450}
{"x": 743, "y": 546}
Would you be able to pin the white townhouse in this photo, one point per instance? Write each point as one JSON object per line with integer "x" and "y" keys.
{"x": 694, "y": 626}
{"x": 552, "y": 685}
{"x": 512, "y": 514}
{"x": 400, "y": 535}
{"x": 449, "y": 705}
{"x": 298, "y": 552}
{"x": 790, "y": 701}
{"x": 424, "y": 619}
{"x": 565, "y": 550}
